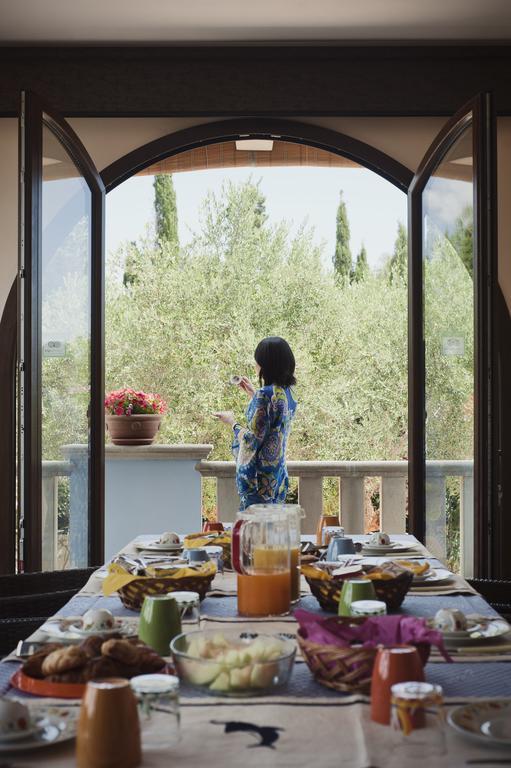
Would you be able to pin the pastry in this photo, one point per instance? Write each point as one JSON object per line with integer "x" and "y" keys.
{"x": 103, "y": 666}
{"x": 121, "y": 650}
{"x": 450, "y": 620}
{"x": 92, "y": 645}
{"x": 64, "y": 659}
{"x": 149, "y": 662}
{"x": 380, "y": 539}
{"x": 70, "y": 676}
{"x": 33, "y": 666}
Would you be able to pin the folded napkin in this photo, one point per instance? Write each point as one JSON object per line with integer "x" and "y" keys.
{"x": 206, "y": 539}
{"x": 374, "y": 631}
{"x": 118, "y": 577}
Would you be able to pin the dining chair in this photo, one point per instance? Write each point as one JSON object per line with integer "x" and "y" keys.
{"x": 44, "y": 582}
{"x": 14, "y": 630}
{"x": 497, "y": 592}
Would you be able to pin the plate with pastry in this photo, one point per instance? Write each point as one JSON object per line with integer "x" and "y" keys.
{"x": 25, "y": 727}
{"x": 380, "y": 543}
{"x": 458, "y": 629}
{"x": 167, "y": 542}
{"x": 63, "y": 670}
{"x": 96, "y": 621}
{"x": 434, "y": 576}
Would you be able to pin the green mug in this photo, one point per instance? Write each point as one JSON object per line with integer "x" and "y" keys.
{"x": 355, "y": 589}
{"x": 160, "y": 622}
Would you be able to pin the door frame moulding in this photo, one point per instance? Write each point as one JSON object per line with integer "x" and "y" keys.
{"x": 258, "y": 128}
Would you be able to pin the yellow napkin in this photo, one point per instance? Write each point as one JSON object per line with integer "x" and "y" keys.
{"x": 315, "y": 573}
{"x": 118, "y": 577}
{"x": 194, "y": 540}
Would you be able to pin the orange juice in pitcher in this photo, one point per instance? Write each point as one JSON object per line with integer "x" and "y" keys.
{"x": 261, "y": 557}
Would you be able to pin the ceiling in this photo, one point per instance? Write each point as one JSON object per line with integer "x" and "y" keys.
{"x": 164, "y": 21}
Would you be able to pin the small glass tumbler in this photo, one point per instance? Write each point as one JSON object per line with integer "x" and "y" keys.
{"x": 189, "y": 608}
{"x": 158, "y": 710}
{"x": 417, "y": 721}
{"x": 368, "y": 608}
{"x": 216, "y": 555}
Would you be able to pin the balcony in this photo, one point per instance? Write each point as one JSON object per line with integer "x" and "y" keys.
{"x": 160, "y": 487}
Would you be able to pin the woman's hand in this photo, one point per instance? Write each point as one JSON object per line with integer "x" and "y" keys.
{"x": 247, "y": 386}
{"x": 227, "y": 417}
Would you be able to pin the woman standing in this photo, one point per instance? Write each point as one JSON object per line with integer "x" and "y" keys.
{"x": 260, "y": 447}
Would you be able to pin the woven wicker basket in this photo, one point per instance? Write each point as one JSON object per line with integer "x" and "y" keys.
{"x": 344, "y": 669}
{"x": 391, "y": 591}
{"x": 132, "y": 595}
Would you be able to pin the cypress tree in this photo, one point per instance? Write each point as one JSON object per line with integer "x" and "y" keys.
{"x": 399, "y": 260}
{"x": 166, "y": 210}
{"x": 342, "y": 258}
{"x": 361, "y": 269}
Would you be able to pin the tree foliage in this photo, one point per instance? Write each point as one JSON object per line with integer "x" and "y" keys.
{"x": 398, "y": 263}
{"x": 361, "y": 269}
{"x": 342, "y": 259}
{"x": 165, "y": 208}
{"x": 187, "y": 323}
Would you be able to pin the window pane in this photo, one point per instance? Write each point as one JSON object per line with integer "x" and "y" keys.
{"x": 65, "y": 357}
{"x": 448, "y": 269}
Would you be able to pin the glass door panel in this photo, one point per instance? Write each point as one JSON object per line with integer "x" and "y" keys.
{"x": 61, "y": 391}
{"x": 452, "y": 225}
{"x": 65, "y": 357}
{"x": 448, "y": 301}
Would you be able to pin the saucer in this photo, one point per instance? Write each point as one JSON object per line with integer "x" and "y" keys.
{"x": 52, "y": 724}
{"x": 69, "y": 631}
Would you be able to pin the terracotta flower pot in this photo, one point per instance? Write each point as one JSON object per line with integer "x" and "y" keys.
{"x": 138, "y": 429}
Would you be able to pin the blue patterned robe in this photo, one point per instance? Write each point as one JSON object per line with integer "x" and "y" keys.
{"x": 260, "y": 449}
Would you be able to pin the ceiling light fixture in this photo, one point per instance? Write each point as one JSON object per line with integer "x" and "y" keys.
{"x": 254, "y": 145}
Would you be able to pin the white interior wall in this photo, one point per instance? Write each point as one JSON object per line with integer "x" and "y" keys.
{"x": 107, "y": 139}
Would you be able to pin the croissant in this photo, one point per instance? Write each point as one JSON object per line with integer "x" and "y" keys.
{"x": 63, "y": 660}
{"x": 122, "y": 651}
{"x": 33, "y": 666}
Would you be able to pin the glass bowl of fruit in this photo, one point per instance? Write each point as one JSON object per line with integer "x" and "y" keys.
{"x": 233, "y": 663}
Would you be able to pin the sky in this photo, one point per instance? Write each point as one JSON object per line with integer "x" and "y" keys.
{"x": 294, "y": 194}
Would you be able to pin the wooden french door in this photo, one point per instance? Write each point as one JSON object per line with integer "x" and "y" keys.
{"x": 452, "y": 270}
{"x": 61, "y": 350}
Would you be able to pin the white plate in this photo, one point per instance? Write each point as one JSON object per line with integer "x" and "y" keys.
{"x": 385, "y": 548}
{"x": 481, "y": 631}
{"x": 67, "y": 632}
{"x": 433, "y": 576}
{"x": 17, "y": 735}
{"x": 53, "y": 725}
{"x": 153, "y": 546}
{"x": 471, "y": 721}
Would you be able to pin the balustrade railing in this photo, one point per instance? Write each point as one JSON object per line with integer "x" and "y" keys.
{"x": 391, "y": 478}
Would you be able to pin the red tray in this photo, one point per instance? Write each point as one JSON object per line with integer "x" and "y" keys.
{"x": 43, "y": 688}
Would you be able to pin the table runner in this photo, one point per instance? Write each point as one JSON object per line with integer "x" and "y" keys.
{"x": 311, "y": 715}
{"x": 286, "y": 734}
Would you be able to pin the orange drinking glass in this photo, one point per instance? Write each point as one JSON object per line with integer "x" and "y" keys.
{"x": 398, "y": 664}
{"x": 108, "y": 731}
{"x": 261, "y": 558}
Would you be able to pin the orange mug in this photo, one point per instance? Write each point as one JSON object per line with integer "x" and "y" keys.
{"x": 108, "y": 733}
{"x": 211, "y": 525}
{"x": 398, "y": 664}
{"x": 324, "y": 521}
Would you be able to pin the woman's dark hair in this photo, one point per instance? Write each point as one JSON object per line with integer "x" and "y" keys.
{"x": 277, "y": 362}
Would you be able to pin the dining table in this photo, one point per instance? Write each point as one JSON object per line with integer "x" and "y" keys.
{"x": 311, "y": 725}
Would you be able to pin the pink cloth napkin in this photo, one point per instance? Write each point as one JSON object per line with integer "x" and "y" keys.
{"x": 380, "y": 630}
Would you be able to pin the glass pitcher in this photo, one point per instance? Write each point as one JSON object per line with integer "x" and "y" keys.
{"x": 261, "y": 544}
{"x": 295, "y": 514}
